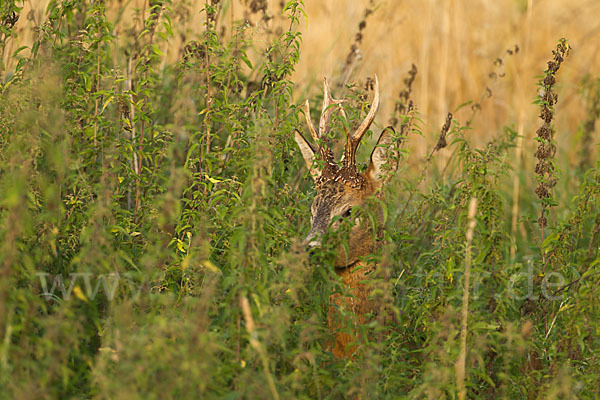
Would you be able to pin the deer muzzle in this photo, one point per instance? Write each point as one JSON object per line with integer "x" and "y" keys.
{"x": 319, "y": 227}
{"x": 312, "y": 241}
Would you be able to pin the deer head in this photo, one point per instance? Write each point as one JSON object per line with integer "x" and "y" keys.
{"x": 340, "y": 188}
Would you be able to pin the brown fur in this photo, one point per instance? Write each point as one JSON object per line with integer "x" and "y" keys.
{"x": 356, "y": 301}
{"x": 333, "y": 197}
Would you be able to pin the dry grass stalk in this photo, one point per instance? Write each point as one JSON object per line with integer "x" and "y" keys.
{"x": 462, "y": 358}
{"x": 442, "y": 142}
{"x": 404, "y": 103}
{"x": 587, "y": 139}
{"x": 253, "y": 339}
{"x": 355, "y": 55}
{"x": 520, "y": 130}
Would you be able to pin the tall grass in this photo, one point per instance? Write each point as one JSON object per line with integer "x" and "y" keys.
{"x": 152, "y": 200}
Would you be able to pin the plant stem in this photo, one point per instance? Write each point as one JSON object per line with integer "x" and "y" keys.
{"x": 250, "y": 327}
{"x": 462, "y": 358}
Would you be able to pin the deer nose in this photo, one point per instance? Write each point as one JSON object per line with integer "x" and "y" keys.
{"x": 312, "y": 246}
{"x": 311, "y": 242}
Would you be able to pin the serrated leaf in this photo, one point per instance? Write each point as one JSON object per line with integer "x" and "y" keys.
{"x": 106, "y": 103}
{"x": 246, "y": 61}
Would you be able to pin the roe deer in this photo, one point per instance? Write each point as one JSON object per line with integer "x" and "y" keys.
{"x": 338, "y": 190}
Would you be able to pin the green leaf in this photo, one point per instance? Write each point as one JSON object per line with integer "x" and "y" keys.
{"x": 245, "y": 59}
{"x": 157, "y": 51}
{"x": 106, "y": 103}
{"x": 19, "y": 50}
{"x": 167, "y": 27}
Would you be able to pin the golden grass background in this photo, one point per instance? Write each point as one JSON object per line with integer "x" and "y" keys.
{"x": 453, "y": 43}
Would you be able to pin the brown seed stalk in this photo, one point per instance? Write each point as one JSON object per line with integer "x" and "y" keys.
{"x": 546, "y": 150}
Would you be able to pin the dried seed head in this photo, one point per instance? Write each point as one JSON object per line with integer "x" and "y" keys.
{"x": 442, "y": 140}
{"x": 194, "y": 50}
{"x": 540, "y": 168}
{"x": 549, "y": 80}
{"x": 544, "y": 132}
{"x": 546, "y": 149}
{"x": 542, "y": 191}
{"x": 546, "y": 114}
{"x": 10, "y": 20}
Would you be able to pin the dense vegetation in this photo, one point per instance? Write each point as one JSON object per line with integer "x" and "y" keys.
{"x": 151, "y": 215}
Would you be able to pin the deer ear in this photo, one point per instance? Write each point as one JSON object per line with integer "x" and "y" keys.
{"x": 384, "y": 158}
{"x": 308, "y": 153}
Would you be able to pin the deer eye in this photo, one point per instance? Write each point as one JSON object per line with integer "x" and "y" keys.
{"x": 346, "y": 213}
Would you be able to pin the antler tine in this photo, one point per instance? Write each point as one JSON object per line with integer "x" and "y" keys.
{"x": 327, "y": 109}
{"x": 319, "y": 139}
{"x": 311, "y": 127}
{"x": 364, "y": 126}
{"x": 353, "y": 142}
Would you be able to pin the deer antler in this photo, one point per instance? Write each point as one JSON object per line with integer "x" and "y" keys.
{"x": 348, "y": 172}
{"x": 311, "y": 127}
{"x": 328, "y": 101}
{"x": 352, "y": 141}
{"x": 321, "y": 137}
